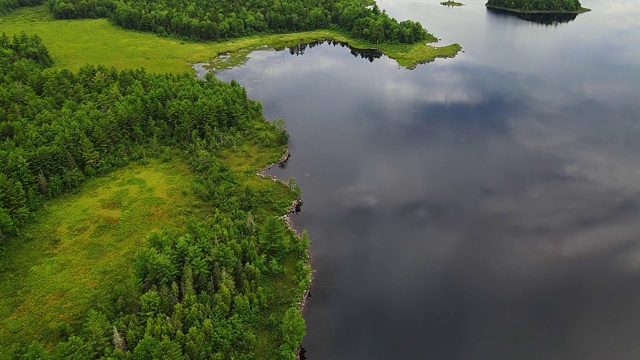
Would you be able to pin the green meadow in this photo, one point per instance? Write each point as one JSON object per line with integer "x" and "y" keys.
{"x": 82, "y": 245}
{"x": 74, "y": 43}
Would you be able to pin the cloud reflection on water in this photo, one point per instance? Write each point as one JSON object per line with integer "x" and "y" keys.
{"x": 462, "y": 210}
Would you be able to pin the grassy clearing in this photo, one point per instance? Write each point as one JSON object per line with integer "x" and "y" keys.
{"x": 83, "y": 244}
{"x": 245, "y": 160}
{"x": 73, "y": 43}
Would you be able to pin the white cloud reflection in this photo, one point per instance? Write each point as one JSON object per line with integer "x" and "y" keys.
{"x": 443, "y": 87}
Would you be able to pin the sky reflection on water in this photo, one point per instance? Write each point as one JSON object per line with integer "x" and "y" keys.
{"x": 482, "y": 207}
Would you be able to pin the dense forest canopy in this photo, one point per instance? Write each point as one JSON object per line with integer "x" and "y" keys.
{"x": 214, "y": 291}
{"x": 7, "y": 5}
{"x": 223, "y": 19}
{"x": 57, "y": 127}
{"x": 537, "y": 5}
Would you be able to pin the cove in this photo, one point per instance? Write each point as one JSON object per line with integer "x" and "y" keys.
{"x": 481, "y": 207}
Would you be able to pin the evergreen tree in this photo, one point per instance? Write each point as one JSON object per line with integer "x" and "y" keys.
{"x": 293, "y": 331}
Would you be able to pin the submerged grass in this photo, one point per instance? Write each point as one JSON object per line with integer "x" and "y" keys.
{"x": 74, "y": 43}
{"x": 451, "y": 3}
{"x": 82, "y": 245}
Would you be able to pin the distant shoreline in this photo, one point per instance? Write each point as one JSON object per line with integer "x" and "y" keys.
{"x": 582, "y": 10}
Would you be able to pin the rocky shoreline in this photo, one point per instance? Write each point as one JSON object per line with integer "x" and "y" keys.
{"x": 296, "y": 207}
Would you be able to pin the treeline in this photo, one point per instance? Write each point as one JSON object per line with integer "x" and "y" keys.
{"x": 207, "y": 293}
{"x": 57, "y": 127}
{"x": 537, "y": 5}
{"x": 8, "y": 5}
{"x": 224, "y": 19}
{"x": 204, "y": 294}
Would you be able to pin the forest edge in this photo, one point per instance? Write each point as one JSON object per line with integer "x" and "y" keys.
{"x": 296, "y": 207}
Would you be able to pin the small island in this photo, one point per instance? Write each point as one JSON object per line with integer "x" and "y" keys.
{"x": 451, "y": 3}
{"x": 538, "y": 6}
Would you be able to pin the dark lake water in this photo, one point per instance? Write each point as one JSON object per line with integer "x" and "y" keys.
{"x": 482, "y": 207}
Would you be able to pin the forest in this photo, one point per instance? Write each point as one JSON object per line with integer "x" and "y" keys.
{"x": 207, "y": 20}
{"x": 226, "y": 284}
{"x": 538, "y": 5}
{"x": 212, "y": 291}
{"x": 7, "y": 6}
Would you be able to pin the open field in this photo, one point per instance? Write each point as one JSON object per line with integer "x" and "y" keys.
{"x": 82, "y": 245}
{"x": 73, "y": 43}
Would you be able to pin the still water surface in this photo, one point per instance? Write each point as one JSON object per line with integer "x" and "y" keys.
{"x": 482, "y": 207}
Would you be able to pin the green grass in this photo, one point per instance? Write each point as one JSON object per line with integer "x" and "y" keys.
{"x": 74, "y": 43}
{"x": 451, "y": 3}
{"x": 245, "y": 160}
{"x": 283, "y": 289}
{"x": 81, "y": 245}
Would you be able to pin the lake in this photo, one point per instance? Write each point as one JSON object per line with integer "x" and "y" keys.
{"x": 481, "y": 207}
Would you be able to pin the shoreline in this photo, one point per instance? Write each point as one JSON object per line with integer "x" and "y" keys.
{"x": 540, "y": 12}
{"x": 73, "y": 44}
{"x": 408, "y": 56}
{"x": 296, "y": 207}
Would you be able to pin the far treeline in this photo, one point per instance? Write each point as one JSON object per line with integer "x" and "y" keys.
{"x": 224, "y": 19}
{"x": 7, "y": 6}
{"x": 538, "y": 5}
{"x": 229, "y": 286}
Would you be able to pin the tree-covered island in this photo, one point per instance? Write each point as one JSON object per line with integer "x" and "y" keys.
{"x": 538, "y": 6}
